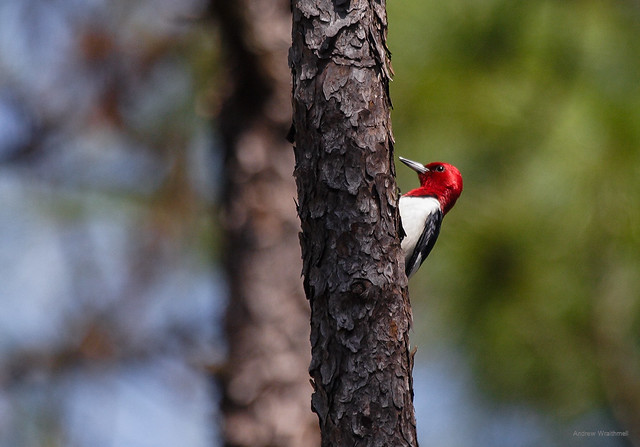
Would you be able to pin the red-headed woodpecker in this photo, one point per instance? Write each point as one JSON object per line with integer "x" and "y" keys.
{"x": 422, "y": 209}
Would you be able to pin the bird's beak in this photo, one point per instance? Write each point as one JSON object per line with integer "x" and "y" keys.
{"x": 418, "y": 167}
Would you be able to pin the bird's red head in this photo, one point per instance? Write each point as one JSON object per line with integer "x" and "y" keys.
{"x": 440, "y": 180}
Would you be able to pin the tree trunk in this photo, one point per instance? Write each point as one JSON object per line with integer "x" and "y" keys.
{"x": 347, "y": 202}
{"x": 266, "y": 391}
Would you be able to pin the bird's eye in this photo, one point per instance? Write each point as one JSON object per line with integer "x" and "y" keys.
{"x": 440, "y": 168}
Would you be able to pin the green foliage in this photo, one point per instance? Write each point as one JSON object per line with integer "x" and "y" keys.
{"x": 538, "y": 104}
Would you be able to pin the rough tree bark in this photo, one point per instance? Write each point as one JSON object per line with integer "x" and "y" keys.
{"x": 266, "y": 391}
{"x": 347, "y": 202}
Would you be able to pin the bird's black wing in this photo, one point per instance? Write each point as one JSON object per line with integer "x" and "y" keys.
{"x": 425, "y": 243}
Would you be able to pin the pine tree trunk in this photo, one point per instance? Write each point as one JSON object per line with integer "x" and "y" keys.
{"x": 347, "y": 202}
{"x": 266, "y": 391}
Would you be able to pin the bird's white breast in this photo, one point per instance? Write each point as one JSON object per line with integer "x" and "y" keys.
{"x": 414, "y": 212}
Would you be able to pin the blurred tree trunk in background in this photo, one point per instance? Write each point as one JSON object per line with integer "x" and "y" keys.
{"x": 353, "y": 270}
{"x": 266, "y": 382}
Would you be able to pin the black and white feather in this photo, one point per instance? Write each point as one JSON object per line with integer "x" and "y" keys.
{"x": 421, "y": 219}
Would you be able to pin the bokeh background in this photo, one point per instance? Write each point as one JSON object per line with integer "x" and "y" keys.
{"x": 111, "y": 291}
{"x": 531, "y": 297}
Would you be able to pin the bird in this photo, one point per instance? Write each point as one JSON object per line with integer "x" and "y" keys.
{"x": 422, "y": 209}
